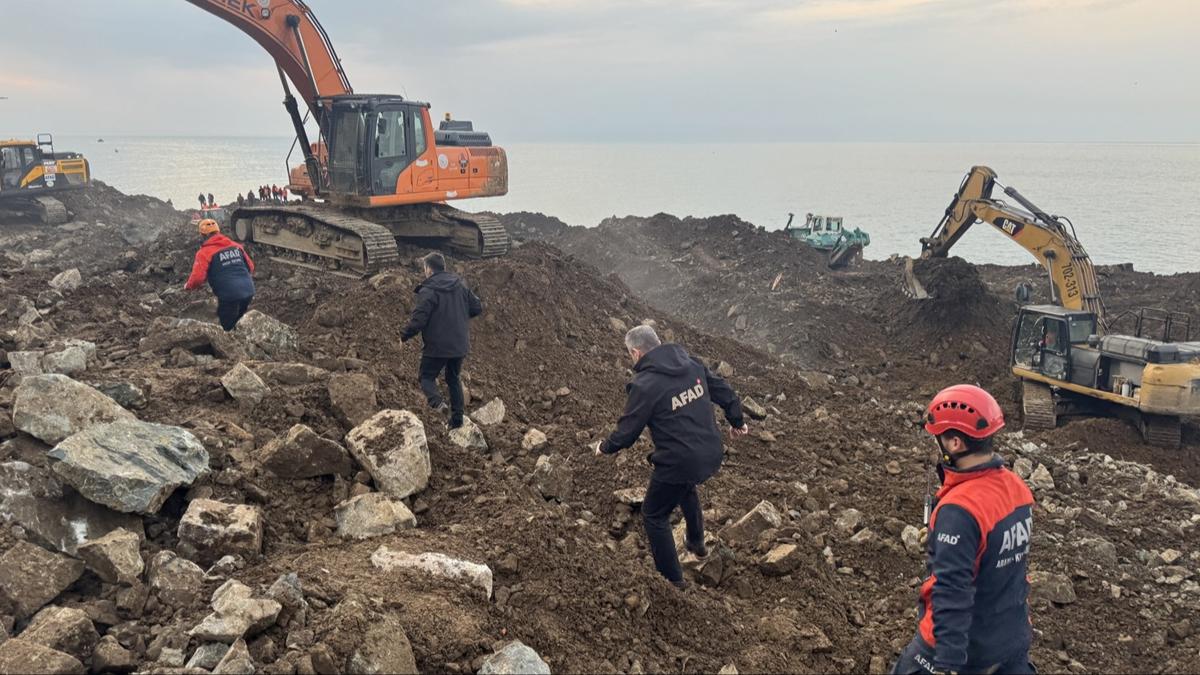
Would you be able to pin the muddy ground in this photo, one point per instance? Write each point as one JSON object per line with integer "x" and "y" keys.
{"x": 842, "y": 362}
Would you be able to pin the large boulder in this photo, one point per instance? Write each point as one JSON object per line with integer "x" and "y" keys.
{"x": 214, "y": 529}
{"x": 437, "y": 564}
{"x": 761, "y": 518}
{"x": 290, "y": 374}
{"x": 65, "y": 629}
{"x": 31, "y": 576}
{"x": 270, "y": 335}
{"x": 236, "y": 614}
{"x": 244, "y": 386}
{"x": 130, "y": 466}
{"x": 553, "y": 477}
{"x": 237, "y": 661}
{"x": 352, "y": 396}
{"x": 116, "y": 557}
{"x": 371, "y": 515}
{"x": 392, "y": 447}
{"x": 126, "y": 394}
{"x": 53, "y": 407}
{"x": 301, "y": 453}
{"x": 53, "y": 516}
{"x": 516, "y": 658}
{"x": 69, "y": 361}
{"x": 111, "y": 657}
{"x": 67, "y": 281}
{"x": 469, "y": 436}
{"x": 491, "y": 413}
{"x": 384, "y": 649}
{"x": 197, "y": 337}
{"x": 26, "y": 363}
{"x": 30, "y": 658}
{"x": 178, "y": 581}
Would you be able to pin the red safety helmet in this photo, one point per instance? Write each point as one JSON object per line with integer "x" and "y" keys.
{"x": 965, "y": 408}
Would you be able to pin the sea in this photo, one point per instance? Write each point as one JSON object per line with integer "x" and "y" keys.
{"x": 1133, "y": 203}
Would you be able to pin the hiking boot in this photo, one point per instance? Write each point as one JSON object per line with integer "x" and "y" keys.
{"x": 682, "y": 584}
{"x": 455, "y": 424}
{"x": 698, "y": 550}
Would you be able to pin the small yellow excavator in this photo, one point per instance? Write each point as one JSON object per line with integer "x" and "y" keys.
{"x": 1065, "y": 355}
{"x": 30, "y": 172}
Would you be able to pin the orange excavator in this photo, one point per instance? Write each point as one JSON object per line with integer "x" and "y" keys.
{"x": 379, "y": 170}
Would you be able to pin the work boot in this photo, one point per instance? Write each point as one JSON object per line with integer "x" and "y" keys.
{"x": 682, "y": 584}
{"x": 698, "y": 550}
{"x": 455, "y": 423}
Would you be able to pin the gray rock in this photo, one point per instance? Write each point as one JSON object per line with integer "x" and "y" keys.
{"x": 352, "y": 396}
{"x": 170, "y": 657}
{"x": 214, "y": 529}
{"x": 26, "y": 363}
{"x": 383, "y": 649}
{"x": 67, "y": 281}
{"x": 115, "y": 557}
{"x": 237, "y": 661}
{"x": 534, "y": 441}
{"x": 553, "y": 477}
{"x": 23, "y": 656}
{"x": 301, "y": 453}
{"x": 289, "y": 593}
{"x": 491, "y": 413}
{"x": 57, "y": 518}
{"x": 849, "y": 521}
{"x": 1023, "y": 467}
{"x": 31, "y": 576}
{"x": 208, "y": 655}
{"x": 70, "y": 361}
{"x": 244, "y": 386}
{"x": 437, "y": 564}
{"x": 515, "y": 659}
{"x": 291, "y": 374}
{"x": 236, "y": 614}
{"x": 111, "y": 657}
{"x": 53, "y": 407}
{"x": 392, "y": 448}
{"x": 761, "y": 518}
{"x": 130, "y": 466}
{"x": 63, "y": 629}
{"x": 469, "y": 436}
{"x": 724, "y": 370}
{"x": 1047, "y": 587}
{"x": 270, "y": 335}
{"x": 178, "y": 581}
{"x": 753, "y": 409}
{"x": 126, "y": 394}
{"x": 911, "y": 538}
{"x": 197, "y": 337}
{"x": 1040, "y": 479}
{"x": 371, "y": 515}
{"x": 781, "y": 560}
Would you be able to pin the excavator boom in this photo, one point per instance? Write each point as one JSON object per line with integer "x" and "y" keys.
{"x": 1073, "y": 279}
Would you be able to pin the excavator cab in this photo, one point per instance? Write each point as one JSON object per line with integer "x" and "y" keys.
{"x": 1053, "y": 341}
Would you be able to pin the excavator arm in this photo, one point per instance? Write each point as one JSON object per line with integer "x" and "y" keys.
{"x": 1073, "y": 279}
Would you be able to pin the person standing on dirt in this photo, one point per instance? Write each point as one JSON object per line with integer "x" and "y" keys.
{"x": 201, "y": 198}
{"x": 211, "y": 202}
{"x": 973, "y": 608}
{"x": 672, "y": 392}
{"x": 444, "y": 309}
{"x": 224, "y": 264}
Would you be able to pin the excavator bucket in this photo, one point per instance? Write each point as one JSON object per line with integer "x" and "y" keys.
{"x": 912, "y": 286}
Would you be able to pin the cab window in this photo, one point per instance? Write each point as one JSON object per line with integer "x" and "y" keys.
{"x": 390, "y": 134}
{"x": 419, "y": 132}
{"x": 1055, "y": 336}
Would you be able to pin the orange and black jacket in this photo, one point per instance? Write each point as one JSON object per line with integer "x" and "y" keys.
{"x": 224, "y": 264}
{"x": 973, "y": 606}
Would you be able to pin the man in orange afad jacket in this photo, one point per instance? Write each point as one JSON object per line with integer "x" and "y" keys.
{"x": 224, "y": 264}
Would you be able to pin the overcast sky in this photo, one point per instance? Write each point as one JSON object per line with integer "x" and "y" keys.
{"x": 635, "y": 70}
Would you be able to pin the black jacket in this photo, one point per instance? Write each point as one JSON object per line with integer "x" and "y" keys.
{"x": 673, "y": 393}
{"x": 444, "y": 305}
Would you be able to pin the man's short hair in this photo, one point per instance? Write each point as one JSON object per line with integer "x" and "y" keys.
{"x": 642, "y": 338}
{"x": 435, "y": 261}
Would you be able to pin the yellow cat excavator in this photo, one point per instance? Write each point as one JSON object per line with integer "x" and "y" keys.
{"x": 32, "y": 172}
{"x": 1067, "y": 359}
{"x": 379, "y": 170}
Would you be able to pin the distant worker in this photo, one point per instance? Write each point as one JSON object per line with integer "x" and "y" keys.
{"x": 224, "y": 264}
{"x": 250, "y": 196}
{"x": 201, "y": 198}
{"x": 673, "y": 393}
{"x": 284, "y": 192}
{"x": 275, "y": 192}
{"x": 444, "y": 308}
{"x": 973, "y": 607}
{"x": 262, "y": 194}
{"x": 211, "y": 202}
{"x": 241, "y": 201}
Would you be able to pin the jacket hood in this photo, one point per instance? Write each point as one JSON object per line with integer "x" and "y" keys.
{"x": 952, "y": 478}
{"x": 219, "y": 240}
{"x": 668, "y": 359}
{"x": 441, "y": 281}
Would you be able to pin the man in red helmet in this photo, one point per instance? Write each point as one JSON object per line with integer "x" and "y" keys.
{"x": 973, "y": 609}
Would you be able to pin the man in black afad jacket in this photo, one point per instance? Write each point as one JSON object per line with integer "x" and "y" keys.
{"x": 444, "y": 306}
{"x": 673, "y": 393}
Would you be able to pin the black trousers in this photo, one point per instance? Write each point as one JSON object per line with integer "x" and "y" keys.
{"x": 917, "y": 657}
{"x": 229, "y": 312}
{"x": 662, "y": 500}
{"x": 431, "y": 367}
